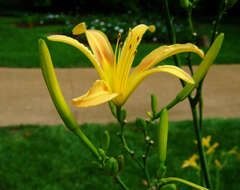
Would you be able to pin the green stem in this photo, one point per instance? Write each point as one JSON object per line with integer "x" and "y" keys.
{"x": 217, "y": 21}
{"x": 123, "y": 140}
{"x": 202, "y": 155}
{"x": 171, "y": 31}
{"x": 145, "y": 163}
{"x": 169, "y": 179}
{"x": 189, "y": 58}
{"x": 217, "y": 187}
{"x": 121, "y": 183}
{"x": 200, "y": 106}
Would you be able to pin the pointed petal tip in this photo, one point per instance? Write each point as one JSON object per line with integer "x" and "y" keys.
{"x": 79, "y": 29}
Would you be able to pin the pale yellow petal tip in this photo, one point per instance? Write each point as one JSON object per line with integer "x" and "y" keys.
{"x": 79, "y": 29}
{"x": 53, "y": 37}
{"x": 201, "y": 54}
{"x": 152, "y": 28}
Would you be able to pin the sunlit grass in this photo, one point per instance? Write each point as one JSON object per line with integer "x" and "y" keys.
{"x": 51, "y": 157}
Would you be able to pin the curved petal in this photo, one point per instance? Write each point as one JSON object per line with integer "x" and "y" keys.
{"x": 99, "y": 44}
{"x": 81, "y": 47}
{"x": 97, "y": 95}
{"x": 128, "y": 52}
{"x": 164, "y": 52}
{"x": 136, "y": 79}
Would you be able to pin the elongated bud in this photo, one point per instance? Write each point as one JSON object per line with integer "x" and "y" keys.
{"x": 162, "y": 136}
{"x": 184, "y": 3}
{"x": 169, "y": 187}
{"x": 106, "y": 140}
{"x": 141, "y": 123}
{"x": 154, "y": 103}
{"x": 203, "y": 67}
{"x": 111, "y": 167}
{"x": 121, "y": 162}
{"x": 57, "y": 96}
{"x": 112, "y": 108}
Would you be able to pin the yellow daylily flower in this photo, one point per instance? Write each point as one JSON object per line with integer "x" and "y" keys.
{"x": 212, "y": 148}
{"x": 218, "y": 163}
{"x": 191, "y": 162}
{"x": 206, "y": 141}
{"x": 116, "y": 80}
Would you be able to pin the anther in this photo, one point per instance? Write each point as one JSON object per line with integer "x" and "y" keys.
{"x": 121, "y": 44}
{"x": 119, "y": 36}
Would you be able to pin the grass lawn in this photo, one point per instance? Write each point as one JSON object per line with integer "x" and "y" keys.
{"x": 19, "y": 46}
{"x": 50, "y": 157}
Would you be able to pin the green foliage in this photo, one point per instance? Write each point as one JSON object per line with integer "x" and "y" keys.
{"x": 19, "y": 43}
{"x": 45, "y": 157}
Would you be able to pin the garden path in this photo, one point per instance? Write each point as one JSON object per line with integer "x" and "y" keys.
{"x": 24, "y": 98}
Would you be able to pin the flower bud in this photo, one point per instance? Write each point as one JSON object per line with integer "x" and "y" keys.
{"x": 111, "y": 167}
{"x": 203, "y": 67}
{"x": 162, "y": 136}
{"x": 154, "y": 103}
{"x": 184, "y": 3}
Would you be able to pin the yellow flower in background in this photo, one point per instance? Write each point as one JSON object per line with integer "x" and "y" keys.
{"x": 218, "y": 163}
{"x": 191, "y": 162}
{"x": 212, "y": 148}
{"x": 206, "y": 141}
{"x": 117, "y": 82}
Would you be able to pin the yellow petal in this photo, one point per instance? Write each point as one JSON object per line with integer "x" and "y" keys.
{"x": 127, "y": 54}
{"x": 81, "y": 47}
{"x": 164, "y": 52}
{"x": 99, "y": 94}
{"x": 101, "y": 47}
{"x": 79, "y": 29}
{"x": 136, "y": 79}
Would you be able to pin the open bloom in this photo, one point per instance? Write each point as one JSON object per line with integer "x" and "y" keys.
{"x": 117, "y": 81}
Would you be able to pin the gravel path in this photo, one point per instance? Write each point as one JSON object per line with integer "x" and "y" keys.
{"x": 24, "y": 98}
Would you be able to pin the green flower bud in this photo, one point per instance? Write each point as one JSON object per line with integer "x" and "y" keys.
{"x": 154, "y": 103}
{"x": 58, "y": 98}
{"x": 111, "y": 167}
{"x": 106, "y": 140}
{"x": 184, "y": 3}
{"x": 203, "y": 67}
{"x": 169, "y": 187}
{"x": 162, "y": 136}
{"x": 149, "y": 115}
